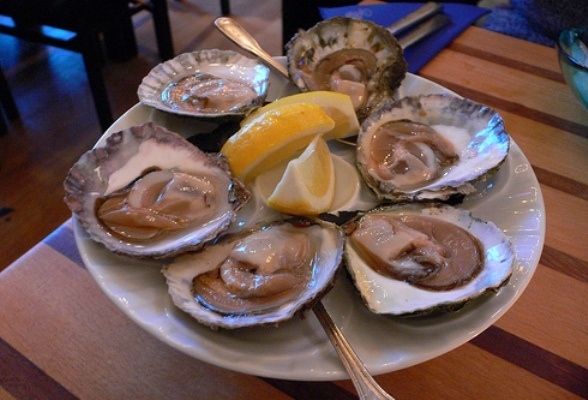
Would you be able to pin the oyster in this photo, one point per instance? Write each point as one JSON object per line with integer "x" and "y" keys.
{"x": 347, "y": 55}
{"x": 206, "y": 84}
{"x": 415, "y": 259}
{"x": 150, "y": 193}
{"x": 430, "y": 147}
{"x": 260, "y": 276}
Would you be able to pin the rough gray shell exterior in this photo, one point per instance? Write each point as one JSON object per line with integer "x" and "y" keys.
{"x": 306, "y": 49}
{"x": 487, "y": 149}
{"x": 89, "y": 180}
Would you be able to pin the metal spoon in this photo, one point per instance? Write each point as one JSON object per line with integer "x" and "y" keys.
{"x": 238, "y": 35}
{"x": 366, "y": 386}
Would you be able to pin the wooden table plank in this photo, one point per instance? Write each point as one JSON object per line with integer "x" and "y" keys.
{"x": 567, "y": 218}
{"x": 509, "y": 51}
{"x": 557, "y": 327}
{"x": 507, "y": 88}
{"x": 548, "y": 147}
{"x": 4, "y": 395}
{"x": 78, "y": 323}
{"x": 469, "y": 372}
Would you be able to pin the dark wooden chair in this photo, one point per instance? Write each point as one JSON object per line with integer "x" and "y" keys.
{"x": 225, "y": 7}
{"x": 7, "y": 104}
{"x": 158, "y": 10}
{"x": 95, "y": 26}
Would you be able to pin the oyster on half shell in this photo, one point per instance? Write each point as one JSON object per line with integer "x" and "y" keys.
{"x": 263, "y": 275}
{"x": 350, "y": 56}
{"x": 208, "y": 84}
{"x": 430, "y": 147}
{"x": 148, "y": 192}
{"x": 416, "y": 259}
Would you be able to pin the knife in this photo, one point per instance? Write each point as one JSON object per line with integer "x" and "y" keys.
{"x": 424, "y": 30}
{"x": 420, "y": 14}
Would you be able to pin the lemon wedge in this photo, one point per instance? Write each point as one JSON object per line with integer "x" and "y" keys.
{"x": 273, "y": 137}
{"x": 308, "y": 184}
{"x": 338, "y": 106}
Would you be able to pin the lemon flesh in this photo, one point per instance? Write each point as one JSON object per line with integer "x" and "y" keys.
{"x": 274, "y": 136}
{"x": 338, "y": 106}
{"x": 308, "y": 184}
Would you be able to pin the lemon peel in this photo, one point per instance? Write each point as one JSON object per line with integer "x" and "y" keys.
{"x": 274, "y": 136}
{"x": 337, "y": 105}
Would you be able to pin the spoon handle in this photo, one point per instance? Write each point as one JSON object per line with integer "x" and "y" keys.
{"x": 367, "y": 388}
{"x": 231, "y": 29}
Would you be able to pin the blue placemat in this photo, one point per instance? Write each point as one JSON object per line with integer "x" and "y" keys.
{"x": 462, "y": 16}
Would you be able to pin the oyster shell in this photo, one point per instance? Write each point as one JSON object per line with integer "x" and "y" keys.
{"x": 415, "y": 259}
{"x": 430, "y": 147}
{"x": 206, "y": 84}
{"x": 150, "y": 193}
{"x": 264, "y": 275}
{"x": 347, "y": 55}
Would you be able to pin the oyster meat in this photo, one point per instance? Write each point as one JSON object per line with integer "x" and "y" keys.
{"x": 415, "y": 259}
{"x": 150, "y": 193}
{"x": 207, "y": 94}
{"x": 260, "y": 276}
{"x": 430, "y": 147}
{"x": 347, "y": 55}
{"x": 206, "y": 84}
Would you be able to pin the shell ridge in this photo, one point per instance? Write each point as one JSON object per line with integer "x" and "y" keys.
{"x": 110, "y": 165}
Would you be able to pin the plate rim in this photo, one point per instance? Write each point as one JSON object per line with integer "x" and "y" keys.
{"x": 337, "y": 371}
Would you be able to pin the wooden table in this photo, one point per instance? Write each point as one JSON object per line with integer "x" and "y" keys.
{"x": 60, "y": 337}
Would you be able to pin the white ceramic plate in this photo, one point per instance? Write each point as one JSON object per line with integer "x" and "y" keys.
{"x": 299, "y": 349}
